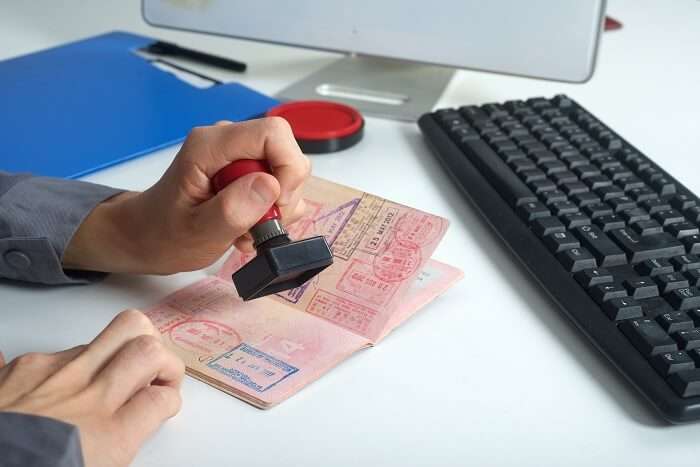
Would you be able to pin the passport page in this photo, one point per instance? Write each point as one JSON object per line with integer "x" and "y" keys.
{"x": 378, "y": 249}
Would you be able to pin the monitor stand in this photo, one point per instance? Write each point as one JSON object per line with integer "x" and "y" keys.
{"x": 377, "y": 87}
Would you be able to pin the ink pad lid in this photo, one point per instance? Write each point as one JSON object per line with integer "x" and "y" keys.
{"x": 321, "y": 126}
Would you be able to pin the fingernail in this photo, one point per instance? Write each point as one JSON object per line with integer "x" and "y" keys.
{"x": 261, "y": 192}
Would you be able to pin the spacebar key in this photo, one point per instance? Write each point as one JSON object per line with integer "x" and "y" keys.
{"x": 506, "y": 182}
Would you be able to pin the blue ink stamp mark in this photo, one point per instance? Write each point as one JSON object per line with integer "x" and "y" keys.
{"x": 252, "y": 368}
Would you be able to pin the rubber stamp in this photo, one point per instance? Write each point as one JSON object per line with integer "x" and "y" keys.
{"x": 280, "y": 264}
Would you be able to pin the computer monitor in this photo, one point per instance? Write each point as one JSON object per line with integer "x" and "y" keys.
{"x": 402, "y": 53}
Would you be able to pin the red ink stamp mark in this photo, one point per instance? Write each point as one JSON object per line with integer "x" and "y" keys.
{"x": 164, "y": 317}
{"x": 397, "y": 263}
{"x": 419, "y": 228}
{"x": 341, "y": 311}
{"x": 360, "y": 281}
{"x": 204, "y": 337}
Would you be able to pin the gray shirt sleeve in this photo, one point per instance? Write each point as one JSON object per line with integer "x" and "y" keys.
{"x": 38, "y": 217}
{"x": 32, "y": 441}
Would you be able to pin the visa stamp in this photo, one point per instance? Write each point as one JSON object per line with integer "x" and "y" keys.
{"x": 341, "y": 311}
{"x": 360, "y": 281}
{"x": 204, "y": 337}
{"x": 368, "y": 208}
{"x": 397, "y": 262}
{"x": 252, "y": 368}
{"x": 380, "y": 230}
{"x": 419, "y": 228}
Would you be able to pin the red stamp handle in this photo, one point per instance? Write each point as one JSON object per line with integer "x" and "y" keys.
{"x": 236, "y": 170}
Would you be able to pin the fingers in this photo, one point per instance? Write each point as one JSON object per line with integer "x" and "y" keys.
{"x": 147, "y": 410}
{"x": 28, "y": 371}
{"x": 142, "y": 361}
{"x": 239, "y": 206}
{"x": 2, "y": 360}
{"x": 268, "y": 138}
{"x": 124, "y": 327}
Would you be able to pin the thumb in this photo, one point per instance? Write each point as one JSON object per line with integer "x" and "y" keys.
{"x": 236, "y": 208}
{"x": 2, "y": 360}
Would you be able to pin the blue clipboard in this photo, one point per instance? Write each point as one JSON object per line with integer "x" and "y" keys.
{"x": 90, "y": 104}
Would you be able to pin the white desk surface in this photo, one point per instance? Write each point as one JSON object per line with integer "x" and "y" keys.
{"x": 489, "y": 374}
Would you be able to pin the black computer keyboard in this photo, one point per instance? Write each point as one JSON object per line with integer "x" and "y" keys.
{"x": 609, "y": 234}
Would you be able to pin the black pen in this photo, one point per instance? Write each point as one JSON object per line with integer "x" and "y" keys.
{"x": 174, "y": 50}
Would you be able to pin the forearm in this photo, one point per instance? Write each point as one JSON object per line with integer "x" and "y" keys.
{"x": 109, "y": 239}
{"x": 38, "y": 218}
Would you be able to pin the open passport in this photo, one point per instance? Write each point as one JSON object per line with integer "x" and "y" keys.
{"x": 265, "y": 350}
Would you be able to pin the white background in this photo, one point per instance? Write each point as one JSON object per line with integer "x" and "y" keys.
{"x": 489, "y": 374}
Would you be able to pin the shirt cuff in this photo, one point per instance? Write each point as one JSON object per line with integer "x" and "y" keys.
{"x": 30, "y": 440}
{"x": 39, "y": 217}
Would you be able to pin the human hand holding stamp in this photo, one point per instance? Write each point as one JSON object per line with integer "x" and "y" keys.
{"x": 265, "y": 350}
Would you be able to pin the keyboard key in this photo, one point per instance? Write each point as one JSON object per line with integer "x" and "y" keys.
{"x": 688, "y": 338}
{"x": 684, "y": 298}
{"x": 682, "y": 202}
{"x": 533, "y": 210}
{"x": 693, "y": 276}
{"x": 672, "y": 362}
{"x": 532, "y": 175}
{"x": 642, "y": 194}
{"x": 693, "y": 214}
{"x": 664, "y": 186}
{"x": 576, "y": 160}
{"x": 543, "y": 156}
{"x": 585, "y": 171}
{"x": 655, "y": 306}
{"x": 692, "y": 244}
{"x": 585, "y": 198}
{"x": 669, "y": 216}
{"x": 630, "y": 183}
{"x": 609, "y": 222}
{"x": 607, "y": 193}
{"x": 686, "y": 383}
{"x": 574, "y": 187}
{"x": 640, "y": 248}
{"x": 655, "y": 205}
{"x": 560, "y": 241}
{"x": 670, "y": 281}
{"x": 508, "y": 185}
{"x": 575, "y": 259}
{"x": 622, "y": 203}
{"x": 675, "y": 321}
{"x": 685, "y": 262}
{"x": 598, "y": 181}
{"x": 564, "y": 207}
{"x": 606, "y": 252}
{"x": 540, "y": 186}
{"x": 648, "y": 337}
{"x": 575, "y": 219}
{"x": 597, "y": 210}
{"x": 653, "y": 267}
{"x": 634, "y": 214}
{"x": 561, "y": 178}
{"x": 473, "y": 113}
{"x": 621, "y": 308}
{"x": 604, "y": 292}
{"x": 593, "y": 276}
{"x": 550, "y": 197}
{"x": 682, "y": 229}
{"x": 642, "y": 287}
{"x": 646, "y": 227}
{"x": 547, "y": 225}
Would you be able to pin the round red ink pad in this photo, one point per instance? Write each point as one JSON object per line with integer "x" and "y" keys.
{"x": 321, "y": 126}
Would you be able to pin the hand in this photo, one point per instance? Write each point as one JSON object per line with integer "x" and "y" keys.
{"x": 117, "y": 390}
{"x": 180, "y": 224}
